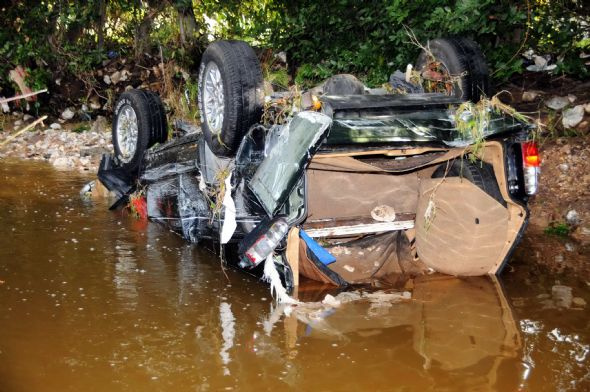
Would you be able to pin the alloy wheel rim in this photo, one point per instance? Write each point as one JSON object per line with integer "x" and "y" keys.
{"x": 213, "y": 98}
{"x": 127, "y": 133}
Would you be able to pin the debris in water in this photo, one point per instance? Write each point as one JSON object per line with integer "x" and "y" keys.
{"x": 271, "y": 275}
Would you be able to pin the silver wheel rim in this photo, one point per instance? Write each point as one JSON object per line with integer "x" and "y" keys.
{"x": 127, "y": 133}
{"x": 213, "y": 98}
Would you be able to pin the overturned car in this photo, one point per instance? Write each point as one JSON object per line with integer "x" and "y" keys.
{"x": 351, "y": 187}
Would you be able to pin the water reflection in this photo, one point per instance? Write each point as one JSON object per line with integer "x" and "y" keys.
{"x": 132, "y": 307}
{"x": 452, "y": 324}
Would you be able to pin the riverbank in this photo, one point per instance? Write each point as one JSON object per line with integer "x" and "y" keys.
{"x": 65, "y": 145}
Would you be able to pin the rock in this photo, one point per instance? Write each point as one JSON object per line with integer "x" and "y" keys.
{"x": 559, "y": 258}
{"x": 530, "y": 96}
{"x": 582, "y": 234}
{"x": 584, "y": 126}
{"x": 68, "y": 114}
{"x": 94, "y": 102}
{"x": 572, "y": 98}
{"x": 564, "y": 167}
{"x": 587, "y": 108}
{"x": 557, "y": 103}
{"x": 93, "y": 151}
{"x": 18, "y": 123}
{"x": 63, "y": 163}
{"x": 572, "y": 218}
{"x": 573, "y": 116}
{"x": 27, "y": 117}
{"x": 100, "y": 125}
{"x": 569, "y": 247}
{"x": 578, "y": 301}
{"x": 55, "y": 126}
{"x": 85, "y": 161}
{"x": 115, "y": 77}
{"x": 562, "y": 295}
{"x": 106, "y": 79}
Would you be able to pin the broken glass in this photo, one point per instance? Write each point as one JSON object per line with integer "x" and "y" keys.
{"x": 293, "y": 146}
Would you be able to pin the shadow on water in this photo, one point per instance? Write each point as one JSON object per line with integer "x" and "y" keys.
{"x": 93, "y": 300}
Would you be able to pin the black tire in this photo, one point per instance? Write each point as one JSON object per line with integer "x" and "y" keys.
{"x": 159, "y": 133}
{"x": 479, "y": 173}
{"x": 151, "y": 126}
{"x": 343, "y": 84}
{"x": 243, "y": 94}
{"x": 461, "y": 57}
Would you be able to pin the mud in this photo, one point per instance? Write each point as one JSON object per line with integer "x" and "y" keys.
{"x": 92, "y": 300}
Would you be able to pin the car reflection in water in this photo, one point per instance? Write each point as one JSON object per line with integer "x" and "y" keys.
{"x": 460, "y": 333}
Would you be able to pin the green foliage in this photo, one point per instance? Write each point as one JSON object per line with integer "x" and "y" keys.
{"x": 61, "y": 38}
{"x": 559, "y": 229}
{"x": 369, "y": 39}
{"x": 309, "y": 75}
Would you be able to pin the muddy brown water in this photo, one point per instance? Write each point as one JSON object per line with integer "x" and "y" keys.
{"x": 92, "y": 300}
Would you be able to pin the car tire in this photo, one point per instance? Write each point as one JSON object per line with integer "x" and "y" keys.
{"x": 231, "y": 94}
{"x": 139, "y": 122}
{"x": 460, "y": 57}
{"x": 478, "y": 173}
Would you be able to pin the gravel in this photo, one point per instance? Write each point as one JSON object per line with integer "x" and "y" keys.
{"x": 64, "y": 149}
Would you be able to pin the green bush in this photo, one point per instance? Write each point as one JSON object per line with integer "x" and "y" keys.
{"x": 369, "y": 38}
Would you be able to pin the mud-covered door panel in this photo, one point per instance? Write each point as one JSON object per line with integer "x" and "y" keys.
{"x": 279, "y": 172}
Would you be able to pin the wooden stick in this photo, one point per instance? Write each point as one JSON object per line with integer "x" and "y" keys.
{"x": 5, "y": 100}
{"x": 31, "y": 125}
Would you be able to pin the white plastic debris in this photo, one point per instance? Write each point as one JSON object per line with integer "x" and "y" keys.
{"x": 271, "y": 275}
{"x": 5, "y": 107}
{"x": 229, "y": 217}
{"x": 330, "y": 300}
{"x": 541, "y": 64}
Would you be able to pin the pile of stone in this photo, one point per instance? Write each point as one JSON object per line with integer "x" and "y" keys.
{"x": 574, "y": 114}
{"x": 58, "y": 144}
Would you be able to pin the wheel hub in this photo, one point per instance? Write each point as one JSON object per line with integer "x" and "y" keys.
{"x": 213, "y": 98}
{"x": 127, "y": 133}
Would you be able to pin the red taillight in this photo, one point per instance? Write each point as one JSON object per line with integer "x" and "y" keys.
{"x": 530, "y": 154}
{"x": 531, "y": 162}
